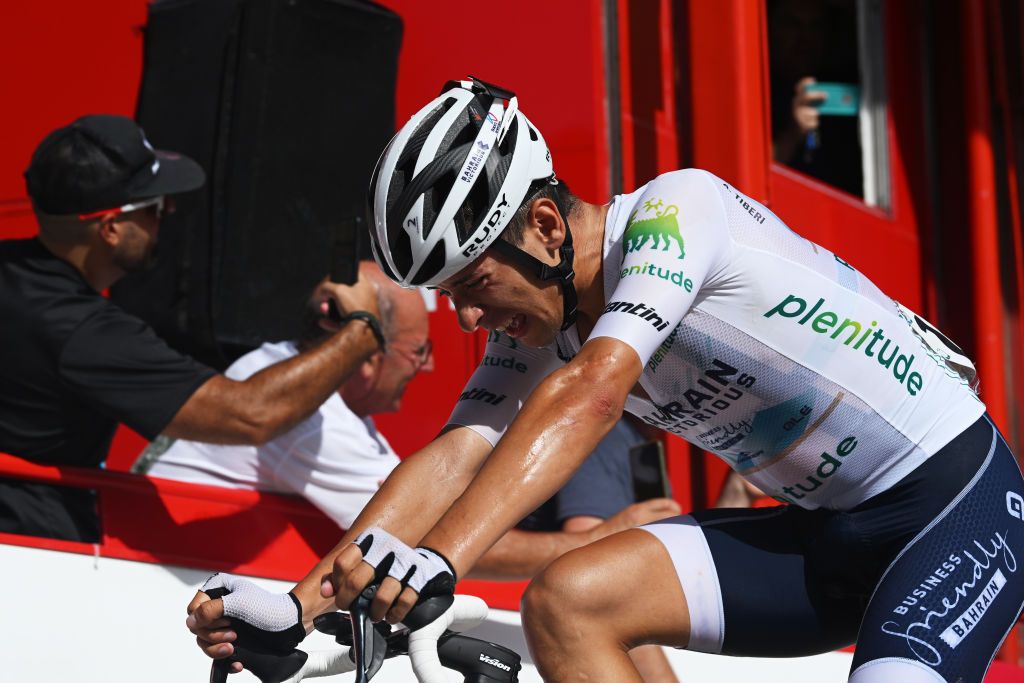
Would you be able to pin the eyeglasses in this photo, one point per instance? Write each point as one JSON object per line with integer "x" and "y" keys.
{"x": 158, "y": 202}
{"x": 419, "y": 356}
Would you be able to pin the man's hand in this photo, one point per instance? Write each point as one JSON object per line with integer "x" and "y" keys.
{"x": 636, "y": 515}
{"x": 362, "y": 296}
{"x": 806, "y": 101}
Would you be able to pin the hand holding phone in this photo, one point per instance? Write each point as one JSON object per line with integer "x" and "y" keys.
{"x": 840, "y": 99}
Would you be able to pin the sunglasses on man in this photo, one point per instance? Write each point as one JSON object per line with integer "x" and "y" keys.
{"x": 157, "y": 202}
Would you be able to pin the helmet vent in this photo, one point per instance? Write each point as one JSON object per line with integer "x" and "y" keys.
{"x": 401, "y": 251}
{"x": 431, "y": 266}
{"x": 509, "y": 143}
{"x": 436, "y": 195}
{"x": 473, "y": 209}
{"x": 407, "y": 162}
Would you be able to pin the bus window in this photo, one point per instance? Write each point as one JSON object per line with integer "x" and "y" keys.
{"x": 828, "y": 94}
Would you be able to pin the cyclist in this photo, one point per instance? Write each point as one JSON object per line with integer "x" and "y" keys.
{"x": 696, "y": 309}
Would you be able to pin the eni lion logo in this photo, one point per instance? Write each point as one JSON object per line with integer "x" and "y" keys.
{"x": 661, "y": 230}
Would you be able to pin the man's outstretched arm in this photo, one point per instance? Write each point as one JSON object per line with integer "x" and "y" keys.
{"x": 275, "y": 399}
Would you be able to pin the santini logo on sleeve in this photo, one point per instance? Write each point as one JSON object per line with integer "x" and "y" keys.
{"x": 642, "y": 311}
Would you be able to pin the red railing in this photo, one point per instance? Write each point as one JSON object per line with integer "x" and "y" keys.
{"x": 208, "y": 527}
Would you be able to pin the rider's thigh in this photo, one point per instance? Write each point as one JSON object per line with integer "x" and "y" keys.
{"x": 950, "y": 596}
{"x": 753, "y": 580}
{"x": 628, "y": 575}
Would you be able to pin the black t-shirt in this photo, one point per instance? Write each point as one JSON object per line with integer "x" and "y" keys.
{"x": 73, "y": 364}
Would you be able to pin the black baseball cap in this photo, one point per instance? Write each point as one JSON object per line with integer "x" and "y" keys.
{"x": 102, "y": 161}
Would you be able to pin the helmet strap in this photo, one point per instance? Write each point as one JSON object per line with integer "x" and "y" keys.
{"x": 563, "y": 272}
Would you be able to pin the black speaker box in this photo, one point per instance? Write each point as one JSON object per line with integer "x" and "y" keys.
{"x": 286, "y": 104}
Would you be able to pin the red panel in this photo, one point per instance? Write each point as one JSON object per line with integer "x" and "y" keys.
{"x": 61, "y": 60}
{"x": 650, "y": 130}
{"x": 125, "y": 449}
{"x": 169, "y": 522}
{"x": 984, "y": 223}
{"x": 207, "y": 527}
{"x": 558, "y": 73}
{"x": 881, "y": 247}
{"x": 729, "y": 92}
{"x": 729, "y": 134}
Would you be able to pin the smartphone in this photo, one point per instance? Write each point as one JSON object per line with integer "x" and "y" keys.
{"x": 647, "y": 464}
{"x": 841, "y": 99}
{"x": 345, "y": 246}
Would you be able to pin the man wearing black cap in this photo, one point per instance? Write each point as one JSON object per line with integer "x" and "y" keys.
{"x": 73, "y": 364}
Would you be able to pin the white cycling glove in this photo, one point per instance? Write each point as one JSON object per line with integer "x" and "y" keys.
{"x": 272, "y": 620}
{"x": 424, "y": 570}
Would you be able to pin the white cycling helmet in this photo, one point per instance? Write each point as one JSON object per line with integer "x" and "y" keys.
{"x": 450, "y": 181}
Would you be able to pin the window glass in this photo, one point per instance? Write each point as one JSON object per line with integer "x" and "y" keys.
{"x": 827, "y": 95}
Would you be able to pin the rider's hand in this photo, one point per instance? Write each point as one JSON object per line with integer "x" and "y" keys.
{"x": 636, "y": 515}
{"x": 264, "y": 621}
{"x": 212, "y": 629}
{"x": 405, "y": 575}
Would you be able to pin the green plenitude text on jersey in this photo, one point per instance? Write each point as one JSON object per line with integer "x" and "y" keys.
{"x": 793, "y": 306}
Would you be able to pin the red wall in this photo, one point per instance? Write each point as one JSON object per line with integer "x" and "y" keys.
{"x": 60, "y": 60}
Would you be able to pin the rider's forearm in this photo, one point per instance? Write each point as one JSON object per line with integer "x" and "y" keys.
{"x": 409, "y": 502}
{"x": 560, "y": 424}
{"x": 523, "y": 554}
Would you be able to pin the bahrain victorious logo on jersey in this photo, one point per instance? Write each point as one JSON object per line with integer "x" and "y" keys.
{"x": 658, "y": 226}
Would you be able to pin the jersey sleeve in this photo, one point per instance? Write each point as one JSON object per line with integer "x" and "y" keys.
{"x": 506, "y": 376}
{"x": 675, "y": 242}
{"x": 118, "y": 364}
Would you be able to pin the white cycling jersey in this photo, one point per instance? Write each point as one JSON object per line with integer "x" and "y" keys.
{"x": 758, "y": 345}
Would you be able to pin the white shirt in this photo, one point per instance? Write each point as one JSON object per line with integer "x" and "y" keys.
{"x": 758, "y": 345}
{"x": 333, "y": 458}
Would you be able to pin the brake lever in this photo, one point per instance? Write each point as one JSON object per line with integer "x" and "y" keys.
{"x": 367, "y": 644}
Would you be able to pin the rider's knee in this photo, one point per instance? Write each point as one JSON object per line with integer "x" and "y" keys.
{"x": 538, "y": 601}
{"x": 563, "y": 590}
